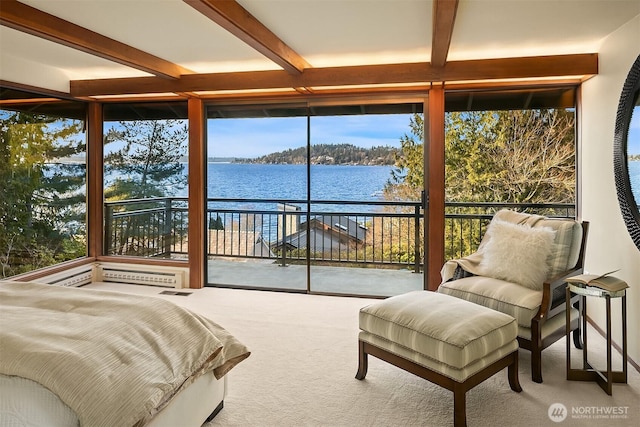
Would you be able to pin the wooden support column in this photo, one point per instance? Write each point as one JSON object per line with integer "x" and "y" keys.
{"x": 197, "y": 193}
{"x": 434, "y": 186}
{"x": 95, "y": 178}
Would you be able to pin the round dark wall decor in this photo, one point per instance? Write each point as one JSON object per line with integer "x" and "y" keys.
{"x": 628, "y": 102}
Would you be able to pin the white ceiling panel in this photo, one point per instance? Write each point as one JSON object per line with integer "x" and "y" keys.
{"x": 511, "y": 28}
{"x": 168, "y": 29}
{"x": 35, "y": 55}
{"x": 350, "y": 32}
{"x": 326, "y": 33}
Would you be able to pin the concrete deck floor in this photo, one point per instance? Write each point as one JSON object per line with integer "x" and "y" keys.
{"x": 262, "y": 274}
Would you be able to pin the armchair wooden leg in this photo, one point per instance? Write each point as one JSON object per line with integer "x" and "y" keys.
{"x": 536, "y": 366}
{"x": 536, "y": 352}
{"x": 512, "y": 374}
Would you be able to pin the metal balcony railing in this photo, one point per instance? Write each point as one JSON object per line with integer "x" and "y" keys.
{"x": 348, "y": 233}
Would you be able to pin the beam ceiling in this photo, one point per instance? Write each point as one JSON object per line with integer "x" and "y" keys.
{"x": 444, "y": 16}
{"x": 419, "y": 73}
{"x": 238, "y": 21}
{"x": 22, "y": 17}
{"x": 297, "y": 75}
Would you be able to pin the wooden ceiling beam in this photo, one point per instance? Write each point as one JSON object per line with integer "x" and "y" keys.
{"x": 412, "y": 73}
{"x": 25, "y": 18}
{"x": 444, "y": 16}
{"x": 231, "y": 16}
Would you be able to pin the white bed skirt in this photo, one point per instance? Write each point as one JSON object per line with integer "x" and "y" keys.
{"x": 25, "y": 403}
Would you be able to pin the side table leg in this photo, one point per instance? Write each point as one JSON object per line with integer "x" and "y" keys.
{"x": 567, "y": 327}
{"x": 583, "y": 315}
{"x": 624, "y": 338}
{"x": 609, "y": 376}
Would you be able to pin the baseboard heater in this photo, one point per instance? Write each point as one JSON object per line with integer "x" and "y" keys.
{"x": 73, "y": 277}
{"x": 137, "y": 274}
{"x": 140, "y": 274}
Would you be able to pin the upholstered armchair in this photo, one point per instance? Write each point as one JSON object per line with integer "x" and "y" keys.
{"x": 520, "y": 269}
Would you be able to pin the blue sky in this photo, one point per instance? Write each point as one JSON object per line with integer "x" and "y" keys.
{"x": 257, "y": 137}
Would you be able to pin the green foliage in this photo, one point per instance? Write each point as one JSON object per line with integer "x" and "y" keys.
{"x": 144, "y": 158}
{"x": 147, "y": 162}
{"x": 43, "y": 204}
{"x": 519, "y": 156}
{"x": 330, "y": 154}
{"x": 407, "y": 178}
{"x": 516, "y": 156}
{"x": 216, "y": 224}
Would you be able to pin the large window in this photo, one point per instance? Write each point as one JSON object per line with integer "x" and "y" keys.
{"x": 145, "y": 180}
{"x": 256, "y": 194}
{"x": 42, "y": 183}
{"x": 299, "y": 198}
{"x": 512, "y": 149}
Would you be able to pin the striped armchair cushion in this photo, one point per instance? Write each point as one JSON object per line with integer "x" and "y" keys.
{"x": 506, "y": 297}
{"x": 566, "y": 246}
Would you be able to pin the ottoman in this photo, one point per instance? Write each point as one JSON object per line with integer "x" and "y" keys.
{"x": 446, "y": 340}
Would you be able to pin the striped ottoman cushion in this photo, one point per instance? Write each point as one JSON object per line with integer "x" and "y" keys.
{"x": 446, "y": 329}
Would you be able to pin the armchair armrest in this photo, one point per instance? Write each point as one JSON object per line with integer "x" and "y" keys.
{"x": 462, "y": 267}
{"x": 553, "y": 294}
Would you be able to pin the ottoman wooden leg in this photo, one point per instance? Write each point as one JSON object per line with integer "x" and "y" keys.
{"x": 512, "y": 373}
{"x": 363, "y": 362}
{"x": 459, "y": 405}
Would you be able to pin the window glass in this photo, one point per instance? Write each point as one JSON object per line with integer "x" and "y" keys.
{"x": 517, "y": 158}
{"x": 42, "y": 185}
{"x": 145, "y": 180}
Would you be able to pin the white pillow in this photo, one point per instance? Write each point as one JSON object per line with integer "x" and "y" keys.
{"x": 517, "y": 253}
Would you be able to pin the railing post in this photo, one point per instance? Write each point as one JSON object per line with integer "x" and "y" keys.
{"x": 168, "y": 219}
{"x": 417, "y": 242}
{"x": 108, "y": 224}
{"x": 283, "y": 262}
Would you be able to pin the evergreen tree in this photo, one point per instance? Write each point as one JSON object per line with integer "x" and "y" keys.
{"x": 517, "y": 156}
{"x": 147, "y": 164}
{"x": 407, "y": 177}
{"x": 42, "y": 204}
{"x": 144, "y": 164}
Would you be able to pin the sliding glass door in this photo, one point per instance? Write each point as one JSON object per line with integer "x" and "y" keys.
{"x": 313, "y": 198}
{"x": 365, "y": 227}
{"x": 256, "y": 190}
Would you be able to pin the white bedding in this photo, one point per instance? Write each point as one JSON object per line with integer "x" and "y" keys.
{"x": 25, "y": 403}
{"x": 113, "y": 358}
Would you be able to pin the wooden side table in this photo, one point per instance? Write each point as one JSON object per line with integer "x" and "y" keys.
{"x": 606, "y": 378}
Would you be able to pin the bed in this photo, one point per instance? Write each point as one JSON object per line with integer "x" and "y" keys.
{"x": 74, "y": 356}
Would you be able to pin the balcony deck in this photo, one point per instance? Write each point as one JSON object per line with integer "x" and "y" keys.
{"x": 261, "y": 274}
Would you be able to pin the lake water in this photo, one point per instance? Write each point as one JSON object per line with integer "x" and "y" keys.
{"x": 328, "y": 182}
{"x": 634, "y": 177}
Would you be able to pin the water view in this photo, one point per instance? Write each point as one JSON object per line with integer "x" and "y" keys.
{"x": 634, "y": 178}
{"x": 328, "y": 182}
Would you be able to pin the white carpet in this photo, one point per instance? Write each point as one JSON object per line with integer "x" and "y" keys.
{"x": 304, "y": 359}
